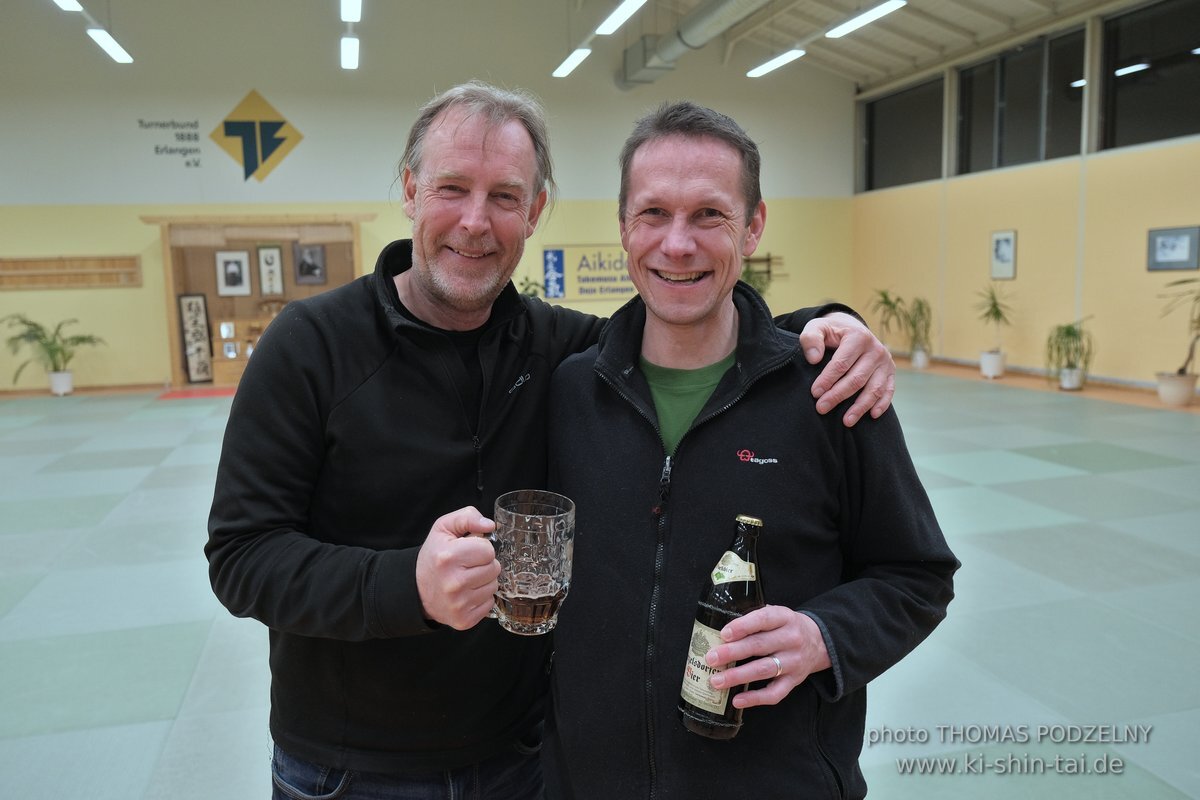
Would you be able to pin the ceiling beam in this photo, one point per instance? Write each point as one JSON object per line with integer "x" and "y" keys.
{"x": 988, "y": 13}
{"x": 751, "y": 24}
{"x": 945, "y": 25}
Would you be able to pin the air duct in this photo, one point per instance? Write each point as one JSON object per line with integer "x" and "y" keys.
{"x": 649, "y": 58}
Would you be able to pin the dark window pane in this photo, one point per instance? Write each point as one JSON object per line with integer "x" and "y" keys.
{"x": 904, "y": 136}
{"x": 1064, "y": 95}
{"x": 1159, "y": 101}
{"x": 1021, "y": 105}
{"x": 977, "y": 118}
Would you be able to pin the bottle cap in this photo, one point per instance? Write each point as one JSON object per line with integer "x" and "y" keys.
{"x": 748, "y": 520}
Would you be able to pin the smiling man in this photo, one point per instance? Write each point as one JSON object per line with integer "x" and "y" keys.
{"x": 684, "y": 416}
{"x": 369, "y": 411}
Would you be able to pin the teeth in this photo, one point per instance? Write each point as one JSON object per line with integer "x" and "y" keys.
{"x": 685, "y": 278}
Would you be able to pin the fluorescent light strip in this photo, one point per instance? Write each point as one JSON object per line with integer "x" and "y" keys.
{"x": 617, "y": 18}
{"x": 349, "y": 52}
{"x": 571, "y": 62}
{"x": 109, "y": 45}
{"x": 1079, "y": 84}
{"x": 1196, "y": 51}
{"x": 68, "y": 5}
{"x": 775, "y": 63}
{"x": 351, "y": 10}
{"x": 1131, "y": 69}
{"x": 865, "y": 18}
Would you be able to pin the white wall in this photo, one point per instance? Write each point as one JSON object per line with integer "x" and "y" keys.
{"x": 69, "y": 116}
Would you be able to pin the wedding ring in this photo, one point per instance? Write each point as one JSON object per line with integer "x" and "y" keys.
{"x": 778, "y": 666}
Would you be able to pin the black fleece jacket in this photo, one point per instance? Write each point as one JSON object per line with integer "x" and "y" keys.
{"x": 346, "y": 440}
{"x": 849, "y": 539}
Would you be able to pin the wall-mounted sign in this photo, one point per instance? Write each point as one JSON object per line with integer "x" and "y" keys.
{"x": 256, "y": 136}
{"x": 586, "y": 272}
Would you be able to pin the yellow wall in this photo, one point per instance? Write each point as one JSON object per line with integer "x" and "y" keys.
{"x": 1081, "y": 228}
{"x": 811, "y": 235}
{"x": 1081, "y": 251}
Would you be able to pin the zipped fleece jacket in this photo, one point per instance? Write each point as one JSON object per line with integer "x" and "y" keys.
{"x": 849, "y": 538}
{"x": 345, "y": 441}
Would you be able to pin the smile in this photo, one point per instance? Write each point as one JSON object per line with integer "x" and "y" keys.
{"x": 469, "y": 254}
{"x": 687, "y": 277}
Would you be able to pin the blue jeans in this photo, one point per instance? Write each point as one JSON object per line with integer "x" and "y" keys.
{"x": 515, "y": 775}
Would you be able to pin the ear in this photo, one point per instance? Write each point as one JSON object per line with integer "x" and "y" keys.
{"x": 754, "y": 231}
{"x": 535, "y": 213}
{"x": 409, "y": 184}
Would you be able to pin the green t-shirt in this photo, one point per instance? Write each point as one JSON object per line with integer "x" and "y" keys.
{"x": 679, "y": 394}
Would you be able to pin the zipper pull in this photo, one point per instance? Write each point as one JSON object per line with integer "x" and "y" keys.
{"x": 664, "y": 488}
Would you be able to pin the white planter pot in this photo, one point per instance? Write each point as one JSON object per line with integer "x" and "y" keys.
{"x": 991, "y": 364}
{"x": 919, "y": 359}
{"x": 1175, "y": 389}
{"x": 1070, "y": 379}
{"x": 61, "y": 383}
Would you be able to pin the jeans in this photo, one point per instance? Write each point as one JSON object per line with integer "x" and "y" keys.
{"x": 515, "y": 775}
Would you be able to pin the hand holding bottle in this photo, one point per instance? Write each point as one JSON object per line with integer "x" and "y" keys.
{"x": 757, "y": 639}
{"x": 456, "y": 570}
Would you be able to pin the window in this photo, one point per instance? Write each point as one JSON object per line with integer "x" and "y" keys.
{"x": 904, "y": 136}
{"x": 1152, "y": 73}
{"x": 977, "y": 118}
{"x": 1064, "y": 95}
{"x": 1012, "y": 109}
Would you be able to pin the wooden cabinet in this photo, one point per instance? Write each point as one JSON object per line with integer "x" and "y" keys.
{"x": 233, "y": 344}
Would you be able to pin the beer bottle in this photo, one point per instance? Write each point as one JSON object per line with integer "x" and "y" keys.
{"x": 732, "y": 589}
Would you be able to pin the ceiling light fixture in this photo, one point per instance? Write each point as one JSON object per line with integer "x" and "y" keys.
{"x": 1079, "y": 84}
{"x": 109, "y": 45}
{"x": 68, "y": 5}
{"x": 351, "y": 10}
{"x": 617, "y": 18}
{"x": 865, "y": 18}
{"x": 775, "y": 63}
{"x": 571, "y": 62}
{"x": 1132, "y": 68}
{"x": 349, "y": 52}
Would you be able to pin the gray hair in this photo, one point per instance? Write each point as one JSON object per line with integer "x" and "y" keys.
{"x": 497, "y": 106}
{"x": 694, "y": 122}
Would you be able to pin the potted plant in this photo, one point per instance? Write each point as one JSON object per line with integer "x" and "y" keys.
{"x": 1179, "y": 387}
{"x": 1069, "y": 354}
{"x": 890, "y": 308}
{"x": 51, "y": 347}
{"x": 993, "y": 310}
{"x": 918, "y": 319}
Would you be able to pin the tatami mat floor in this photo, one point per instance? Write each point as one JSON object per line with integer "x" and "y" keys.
{"x": 1066, "y": 668}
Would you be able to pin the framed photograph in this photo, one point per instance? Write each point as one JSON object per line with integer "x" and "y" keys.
{"x": 197, "y": 345}
{"x": 227, "y": 330}
{"x": 233, "y": 273}
{"x": 1004, "y": 255}
{"x": 231, "y": 349}
{"x": 270, "y": 271}
{"x": 310, "y": 263}
{"x": 1173, "y": 248}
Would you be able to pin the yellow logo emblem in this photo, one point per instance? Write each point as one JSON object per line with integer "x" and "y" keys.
{"x": 256, "y": 136}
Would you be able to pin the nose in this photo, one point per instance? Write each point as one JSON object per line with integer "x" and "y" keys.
{"x": 678, "y": 241}
{"x": 475, "y": 219}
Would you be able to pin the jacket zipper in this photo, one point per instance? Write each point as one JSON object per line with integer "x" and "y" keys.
{"x": 660, "y": 512}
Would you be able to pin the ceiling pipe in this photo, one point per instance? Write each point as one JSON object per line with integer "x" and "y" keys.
{"x": 651, "y": 57}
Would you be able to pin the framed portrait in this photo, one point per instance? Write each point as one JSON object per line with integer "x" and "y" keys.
{"x": 231, "y": 349}
{"x": 228, "y": 330}
{"x": 270, "y": 271}
{"x": 1004, "y": 255}
{"x": 1173, "y": 248}
{"x": 310, "y": 263}
{"x": 233, "y": 273}
{"x": 197, "y": 345}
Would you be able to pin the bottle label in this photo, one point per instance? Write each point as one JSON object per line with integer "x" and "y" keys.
{"x": 696, "y": 687}
{"x": 731, "y": 568}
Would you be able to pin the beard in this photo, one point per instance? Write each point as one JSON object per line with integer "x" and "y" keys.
{"x": 467, "y": 290}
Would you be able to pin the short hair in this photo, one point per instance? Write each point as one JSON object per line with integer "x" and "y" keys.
{"x": 694, "y": 122}
{"x": 497, "y": 106}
